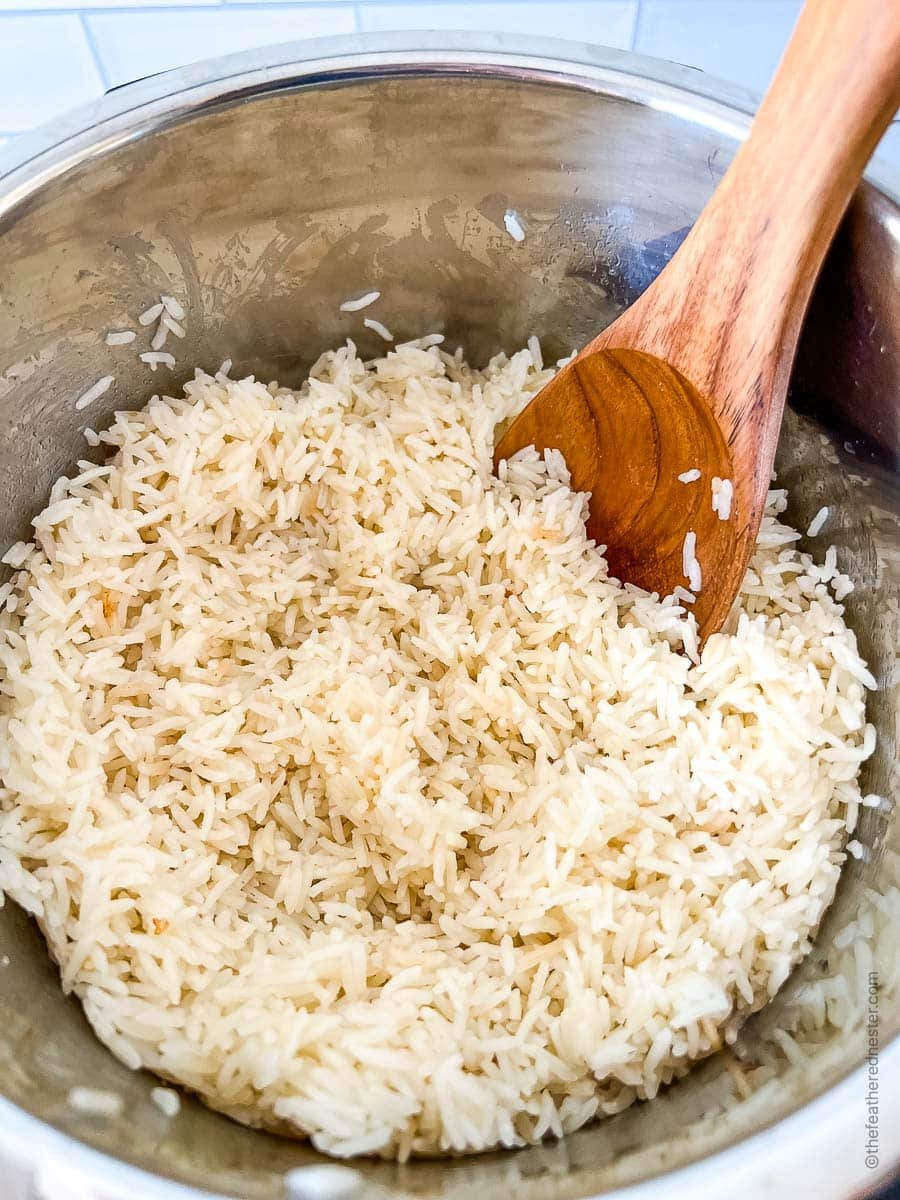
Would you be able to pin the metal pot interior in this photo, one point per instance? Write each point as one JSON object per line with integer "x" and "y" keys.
{"x": 266, "y": 205}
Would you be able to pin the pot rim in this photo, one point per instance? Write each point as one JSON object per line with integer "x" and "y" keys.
{"x": 809, "y": 1148}
{"x": 806, "y": 1153}
{"x": 132, "y": 110}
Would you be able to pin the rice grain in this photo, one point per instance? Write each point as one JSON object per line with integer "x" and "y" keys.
{"x": 100, "y": 388}
{"x": 377, "y": 327}
{"x": 353, "y": 795}
{"x": 360, "y": 303}
{"x": 817, "y": 524}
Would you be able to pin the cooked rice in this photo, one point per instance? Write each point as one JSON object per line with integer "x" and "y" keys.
{"x": 360, "y": 303}
{"x": 377, "y": 327}
{"x": 95, "y": 1102}
{"x": 690, "y": 476}
{"x": 100, "y": 388}
{"x": 169, "y": 313}
{"x": 682, "y": 595}
{"x": 154, "y": 360}
{"x": 120, "y": 337}
{"x": 817, "y": 524}
{"x": 172, "y": 325}
{"x": 167, "y": 1101}
{"x": 352, "y": 794}
{"x": 173, "y": 307}
{"x": 151, "y": 314}
{"x": 722, "y": 496}
{"x": 322, "y": 1181}
{"x": 513, "y": 225}
{"x": 690, "y": 565}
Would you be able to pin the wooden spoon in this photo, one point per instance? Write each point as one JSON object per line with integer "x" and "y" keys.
{"x": 694, "y": 374}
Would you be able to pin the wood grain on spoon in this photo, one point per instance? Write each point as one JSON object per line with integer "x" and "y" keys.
{"x": 694, "y": 374}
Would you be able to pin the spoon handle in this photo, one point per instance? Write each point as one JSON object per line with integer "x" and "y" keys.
{"x": 727, "y": 310}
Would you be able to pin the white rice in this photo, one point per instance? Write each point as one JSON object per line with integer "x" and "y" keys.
{"x": 154, "y": 359}
{"x": 377, "y": 327}
{"x": 167, "y": 1101}
{"x": 173, "y": 307}
{"x": 94, "y": 392}
{"x": 95, "y": 1102}
{"x": 817, "y": 524}
{"x": 151, "y": 314}
{"x": 322, "y": 1181}
{"x": 172, "y": 326}
{"x": 690, "y": 565}
{"x": 513, "y": 225}
{"x": 424, "y": 343}
{"x": 169, "y": 313}
{"x": 689, "y": 476}
{"x": 837, "y": 995}
{"x": 682, "y": 595}
{"x": 120, "y": 337}
{"x": 360, "y": 303}
{"x": 352, "y": 794}
{"x": 722, "y": 496}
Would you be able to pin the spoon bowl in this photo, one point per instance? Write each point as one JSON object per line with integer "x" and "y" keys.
{"x": 694, "y": 375}
{"x": 639, "y": 437}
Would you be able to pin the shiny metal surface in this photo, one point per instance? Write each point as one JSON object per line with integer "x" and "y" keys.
{"x": 266, "y": 188}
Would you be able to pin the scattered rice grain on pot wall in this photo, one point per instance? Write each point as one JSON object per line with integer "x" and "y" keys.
{"x": 351, "y": 793}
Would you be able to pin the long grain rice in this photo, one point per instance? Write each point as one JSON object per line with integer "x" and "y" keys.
{"x": 513, "y": 225}
{"x": 690, "y": 565}
{"x": 817, "y": 524}
{"x": 151, "y": 314}
{"x": 167, "y": 1101}
{"x": 100, "y": 388}
{"x": 360, "y": 302}
{"x": 173, "y": 307}
{"x": 95, "y": 1102}
{"x": 352, "y": 794}
{"x": 376, "y": 326}
{"x": 160, "y": 359}
{"x": 722, "y": 496}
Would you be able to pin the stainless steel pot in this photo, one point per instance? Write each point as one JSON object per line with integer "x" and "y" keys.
{"x": 265, "y": 188}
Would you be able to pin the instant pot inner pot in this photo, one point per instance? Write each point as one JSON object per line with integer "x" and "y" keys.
{"x": 262, "y": 215}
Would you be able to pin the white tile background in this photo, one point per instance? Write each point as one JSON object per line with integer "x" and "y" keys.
{"x": 55, "y": 54}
